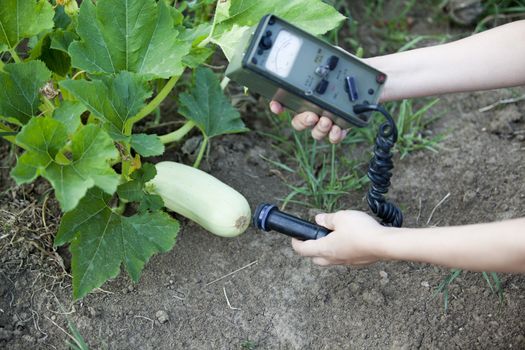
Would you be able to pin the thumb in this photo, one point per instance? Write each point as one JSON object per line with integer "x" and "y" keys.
{"x": 325, "y": 220}
{"x": 330, "y": 221}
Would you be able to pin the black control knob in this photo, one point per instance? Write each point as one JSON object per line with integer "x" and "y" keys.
{"x": 321, "y": 87}
{"x": 332, "y": 62}
{"x": 266, "y": 43}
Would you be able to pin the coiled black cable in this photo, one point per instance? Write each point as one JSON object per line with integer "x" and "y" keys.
{"x": 379, "y": 169}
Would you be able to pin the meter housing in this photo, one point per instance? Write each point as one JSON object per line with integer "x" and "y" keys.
{"x": 304, "y": 73}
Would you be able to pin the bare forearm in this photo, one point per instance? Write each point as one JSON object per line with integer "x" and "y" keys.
{"x": 482, "y": 247}
{"x": 488, "y": 60}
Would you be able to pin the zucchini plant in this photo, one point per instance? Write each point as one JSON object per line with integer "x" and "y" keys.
{"x": 76, "y": 80}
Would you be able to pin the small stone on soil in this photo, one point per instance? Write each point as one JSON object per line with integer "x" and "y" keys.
{"x": 28, "y": 338}
{"x": 92, "y": 311}
{"x": 354, "y": 287}
{"x": 469, "y": 196}
{"x": 162, "y": 316}
{"x": 374, "y": 297}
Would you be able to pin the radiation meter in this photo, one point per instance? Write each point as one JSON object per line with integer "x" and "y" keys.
{"x": 304, "y": 73}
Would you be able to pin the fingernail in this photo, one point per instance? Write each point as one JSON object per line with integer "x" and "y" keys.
{"x": 273, "y": 107}
{"x": 336, "y": 135}
{"x": 310, "y": 119}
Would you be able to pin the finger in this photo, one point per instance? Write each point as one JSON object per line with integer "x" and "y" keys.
{"x": 330, "y": 221}
{"x": 304, "y": 120}
{"x": 321, "y": 261}
{"x": 335, "y": 135}
{"x": 322, "y": 128}
{"x": 276, "y": 107}
{"x": 308, "y": 248}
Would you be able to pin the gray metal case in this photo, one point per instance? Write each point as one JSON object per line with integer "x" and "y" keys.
{"x": 299, "y": 90}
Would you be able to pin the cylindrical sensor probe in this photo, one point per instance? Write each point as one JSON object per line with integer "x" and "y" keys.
{"x": 268, "y": 217}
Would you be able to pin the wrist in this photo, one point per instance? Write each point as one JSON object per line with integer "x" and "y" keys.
{"x": 389, "y": 243}
{"x": 384, "y": 65}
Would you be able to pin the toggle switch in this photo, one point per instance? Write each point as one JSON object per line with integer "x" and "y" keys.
{"x": 322, "y": 71}
{"x": 351, "y": 88}
{"x": 321, "y": 87}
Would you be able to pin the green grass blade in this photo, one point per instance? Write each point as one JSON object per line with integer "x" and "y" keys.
{"x": 499, "y": 287}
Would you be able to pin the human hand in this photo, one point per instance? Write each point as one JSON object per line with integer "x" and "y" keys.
{"x": 321, "y": 127}
{"x": 354, "y": 240}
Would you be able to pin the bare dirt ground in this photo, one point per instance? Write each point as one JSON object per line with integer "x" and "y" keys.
{"x": 253, "y": 292}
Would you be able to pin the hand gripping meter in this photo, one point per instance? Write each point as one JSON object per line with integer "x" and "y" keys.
{"x": 304, "y": 73}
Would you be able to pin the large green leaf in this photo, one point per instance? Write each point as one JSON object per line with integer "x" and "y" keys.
{"x": 133, "y": 35}
{"x": 135, "y": 190}
{"x": 70, "y": 174}
{"x": 147, "y": 145}
{"x": 23, "y": 19}
{"x": 102, "y": 240}
{"x": 207, "y": 106}
{"x": 57, "y": 61}
{"x": 69, "y": 113}
{"x": 196, "y": 35}
{"x": 232, "y": 17}
{"x": 114, "y": 99}
{"x": 60, "y": 39}
{"x": 19, "y": 93}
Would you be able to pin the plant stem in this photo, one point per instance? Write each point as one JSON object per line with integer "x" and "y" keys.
{"x": 204, "y": 144}
{"x": 15, "y": 55}
{"x": 224, "y": 82}
{"x": 150, "y": 107}
{"x": 205, "y": 41}
{"x": 214, "y": 23}
{"x": 178, "y": 134}
{"x": 121, "y": 207}
{"x": 5, "y": 128}
{"x": 50, "y": 107}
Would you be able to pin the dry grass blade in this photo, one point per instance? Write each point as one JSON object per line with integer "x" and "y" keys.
{"x": 501, "y": 102}
{"x": 231, "y": 273}
{"x": 228, "y": 300}
{"x": 437, "y": 206}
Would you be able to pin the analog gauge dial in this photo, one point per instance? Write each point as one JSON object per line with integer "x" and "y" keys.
{"x": 283, "y": 54}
